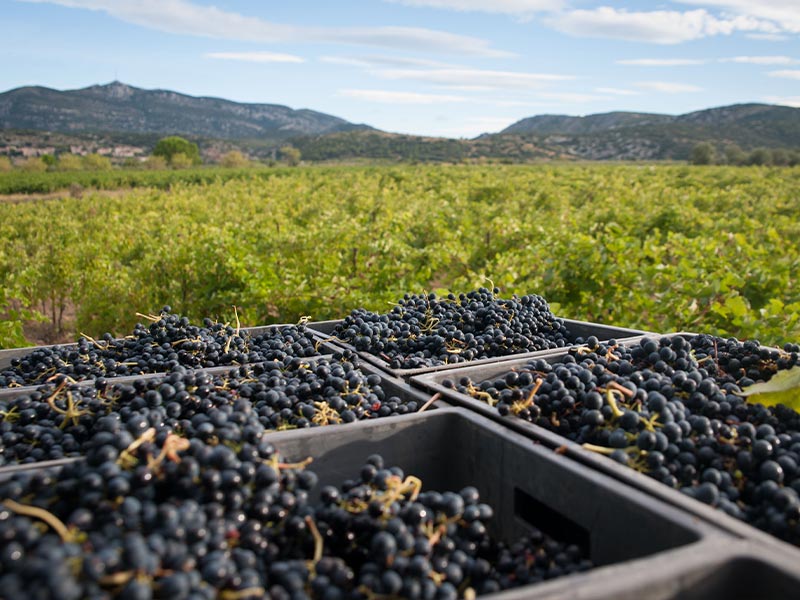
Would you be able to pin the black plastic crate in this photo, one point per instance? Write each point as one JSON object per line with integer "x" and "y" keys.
{"x": 325, "y": 348}
{"x": 630, "y": 536}
{"x": 432, "y": 383}
{"x": 633, "y": 539}
{"x": 578, "y": 329}
{"x": 6, "y": 356}
{"x": 731, "y": 570}
{"x": 391, "y": 386}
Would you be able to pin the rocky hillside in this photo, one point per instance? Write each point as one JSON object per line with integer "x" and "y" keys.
{"x": 117, "y": 107}
{"x": 632, "y": 136}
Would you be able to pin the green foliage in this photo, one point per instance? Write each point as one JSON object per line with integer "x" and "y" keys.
{"x": 291, "y": 155}
{"x": 760, "y": 156}
{"x": 168, "y": 147}
{"x": 180, "y": 160}
{"x": 69, "y": 162}
{"x": 234, "y": 160}
{"x": 734, "y": 155}
{"x": 32, "y": 164}
{"x": 702, "y": 154}
{"x": 783, "y": 388}
{"x": 96, "y": 162}
{"x": 18, "y": 182}
{"x": 660, "y": 248}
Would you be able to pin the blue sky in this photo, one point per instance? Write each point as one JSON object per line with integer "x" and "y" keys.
{"x": 454, "y": 68}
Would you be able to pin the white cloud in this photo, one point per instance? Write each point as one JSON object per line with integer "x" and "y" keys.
{"x": 784, "y": 15}
{"x": 185, "y": 18}
{"x": 783, "y": 100}
{"x": 257, "y": 57}
{"x": 512, "y": 7}
{"x": 474, "y": 79}
{"x": 668, "y": 87}
{"x": 661, "y": 62}
{"x": 786, "y": 74}
{"x": 761, "y": 60}
{"x": 769, "y": 37}
{"x": 571, "y": 97}
{"x": 659, "y": 27}
{"x": 391, "y": 97}
{"x": 616, "y": 91}
{"x": 382, "y": 61}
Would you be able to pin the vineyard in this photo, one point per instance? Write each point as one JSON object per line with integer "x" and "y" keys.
{"x": 661, "y": 248}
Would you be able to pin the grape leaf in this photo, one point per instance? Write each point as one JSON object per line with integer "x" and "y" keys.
{"x": 783, "y": 388}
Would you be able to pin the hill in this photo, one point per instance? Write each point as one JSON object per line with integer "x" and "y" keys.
{"x": 120, "y": 108}
{"x": 626, "y": 135}
{"x": 122, "y": 120}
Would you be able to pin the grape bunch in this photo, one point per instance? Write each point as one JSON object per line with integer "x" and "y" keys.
{"x": 170, "y": 518}
{"x": 57, "y": 421}
{"x": 671, "y": 408}
{"x": 426, "y": 330}
{"x": 169, "y": 341}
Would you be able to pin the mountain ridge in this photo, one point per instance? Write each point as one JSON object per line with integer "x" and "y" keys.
{"x": 119, "y": 107}
{"x": 118, "y": 113}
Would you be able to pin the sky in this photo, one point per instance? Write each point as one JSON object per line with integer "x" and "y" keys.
{"x": 451, "y": 68}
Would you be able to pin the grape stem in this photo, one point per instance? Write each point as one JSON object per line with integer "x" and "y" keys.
{"x": 251, "y": 592}
{"x": 428, "y": 404}
{"x": 126, "y": 457}
{"x": 598, "y": 449}
{"x": 318, "y": 541}
{"x": 66, "y": 534}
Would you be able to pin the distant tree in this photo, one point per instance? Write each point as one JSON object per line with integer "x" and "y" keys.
{"x": 49, "y": 160}
{"x": 291, "y": 155}
{"x": 155, "y": 163}
{"x": 33, "y": 164}
{"x": 172, "y": 145}
{"x": 96, "y": 162}
{"x": 69, "y": 162}
{"x": 702, "y": 154}
{"x": 794, "y": 158}
{"x": 234, "y": 159}
{"x": 780, "y": 157}
{"x": 759, "y": 156}
{"x": 180, "y": 161}
{"x": 5, "y": 164}
{"x": 734, "y": 155}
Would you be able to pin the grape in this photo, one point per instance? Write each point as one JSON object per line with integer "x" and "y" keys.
{"x": 166, "y": 344}
{"x": 427, "y": 330}
{"x": 66, "y": 420}
{"x": 182, "y": 531}
{"x": 669, "y": 407}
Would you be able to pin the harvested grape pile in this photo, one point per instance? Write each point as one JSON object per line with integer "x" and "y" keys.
{"x": 426, "y": 330}
{"x": 670, "y": 408}
{"x": 174, "y": 519}
{"x": 169, "y": 341}
{"x": 65, "y": 420}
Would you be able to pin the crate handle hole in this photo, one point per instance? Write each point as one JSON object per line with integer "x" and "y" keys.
{"x": 549, "y": 521}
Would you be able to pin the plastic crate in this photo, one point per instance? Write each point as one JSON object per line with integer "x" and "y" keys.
{"x": 633, "y": 539}
{"x": 578, "y": 329}
{"x": 6, "y": 356}
{"x": 643, "y": 547}
{"x": 432, "y": 383}
{"x": 391, "y": 386}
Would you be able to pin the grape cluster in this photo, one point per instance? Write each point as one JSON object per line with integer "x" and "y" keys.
{"x": 169, "y": 341}
{"x": 175, "y": 519}
{"x": 63, "y": 420}
{"x": 426, "y": 330}
{"x": 671, "y": 408}
{"x": 402, "y": 541}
